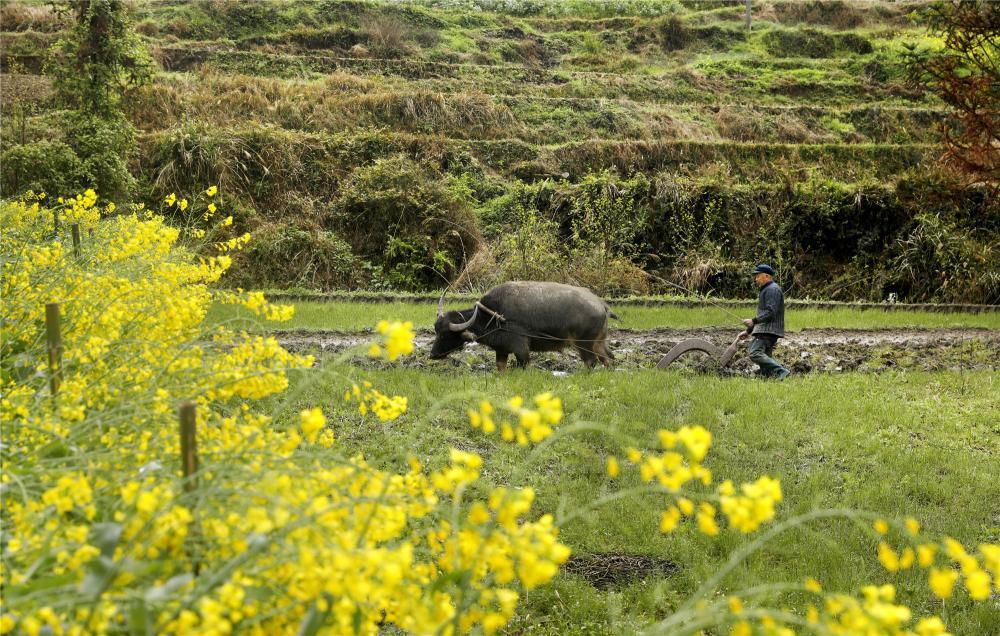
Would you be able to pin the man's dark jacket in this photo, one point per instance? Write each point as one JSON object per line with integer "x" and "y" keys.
{"x": 770, "y": 318}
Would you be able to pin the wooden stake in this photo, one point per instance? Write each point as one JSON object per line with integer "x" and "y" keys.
{"x": 189, "y": 464}
{"x": 189, "y": 446}
{"x": 76, "y": 239}
{"x": 749, "y": 14}
{"x": 54, "y": 339}
{"x": 55, "y": 221}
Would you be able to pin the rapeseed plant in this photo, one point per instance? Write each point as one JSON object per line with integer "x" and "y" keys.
{"x": 103, "y": 532}
{"x": 100, "y": 531}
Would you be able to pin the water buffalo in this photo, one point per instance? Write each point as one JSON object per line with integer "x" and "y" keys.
{"x": 520, "y": 317}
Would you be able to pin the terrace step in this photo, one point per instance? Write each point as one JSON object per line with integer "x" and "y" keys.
{"x": 344, "y": 151}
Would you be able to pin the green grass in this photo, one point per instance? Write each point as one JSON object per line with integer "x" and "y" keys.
{"x": 916, "y": 444}
{"x": 355, "y": 316}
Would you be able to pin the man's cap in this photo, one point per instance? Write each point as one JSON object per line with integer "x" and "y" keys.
{"x": 763, "y": 269}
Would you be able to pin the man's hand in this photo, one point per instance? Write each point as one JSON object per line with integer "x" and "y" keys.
{"x": 748, "y": 322}
{"x": 744, "y": 335}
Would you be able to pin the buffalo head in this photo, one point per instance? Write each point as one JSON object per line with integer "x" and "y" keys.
{"x": 451, "y": 330}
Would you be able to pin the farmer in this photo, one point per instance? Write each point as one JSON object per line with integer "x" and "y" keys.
{"x": 768, "y": 325}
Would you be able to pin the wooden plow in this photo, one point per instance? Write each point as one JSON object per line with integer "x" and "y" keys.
{"x": 724, "y": 357}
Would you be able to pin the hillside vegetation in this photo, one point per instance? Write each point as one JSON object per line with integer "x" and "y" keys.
{"x": 618, "y": 145}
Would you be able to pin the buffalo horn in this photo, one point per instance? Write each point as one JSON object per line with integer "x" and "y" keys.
{"x": 441, "y": 304}
{"x": 462, "y": 326}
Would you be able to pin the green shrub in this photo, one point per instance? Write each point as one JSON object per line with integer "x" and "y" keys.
{"x": 279, "y": 256}
{"x": 91, "y": 150}
{"x": 814, "y": 43}
{"x": 606, "y": 214}
{"x": 938, "y": 261}
{"x": 528, "y": 245}
{"x": 42, "y": 166}
{"x": 104, "y": 145}
{"x": 409, "y": 219}
{"x": 673, "y": 35}
{"x": 854, "y": 43}
{"x": 799, "y": 43}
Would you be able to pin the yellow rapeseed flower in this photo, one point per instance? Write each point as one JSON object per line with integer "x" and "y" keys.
{"x": 925, "y": 554}
{"x": 686, "y": 506}
{"x": 312, "y": 422}
{"x": 888, "y": 557}
{"x": 735, "y": 604}
{"x": 397, "y": 338}
{"x": 906, "y": 558}
{"x": 942, "y": 581}
{"x": 931, "y": 626}
{"x": 977, "y": 583}
{"x": 706, "y": 519}
{"x": 669, "y": 520}
{"x": 741, "y": 628}
{"x": 613, "y": 467}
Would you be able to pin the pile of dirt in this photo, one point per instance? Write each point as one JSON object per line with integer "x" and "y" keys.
{"x": 608, "y": 571}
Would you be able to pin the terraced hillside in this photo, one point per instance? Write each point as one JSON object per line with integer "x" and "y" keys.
{"x": 371, "y": 144}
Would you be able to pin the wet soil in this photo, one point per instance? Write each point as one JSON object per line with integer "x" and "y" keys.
{"x": 806, "y": 351}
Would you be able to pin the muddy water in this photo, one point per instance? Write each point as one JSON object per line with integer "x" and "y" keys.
{"x": 806, "y": 351}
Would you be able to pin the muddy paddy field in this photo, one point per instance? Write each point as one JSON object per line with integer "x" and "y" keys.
{"x": 821, "y": 350}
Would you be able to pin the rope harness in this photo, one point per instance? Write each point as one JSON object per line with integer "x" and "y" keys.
{"x": 495, "y": 314}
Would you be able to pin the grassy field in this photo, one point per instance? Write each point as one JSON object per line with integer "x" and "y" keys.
{"x": 356, "y": 316}
{"x": 894, "y": 444}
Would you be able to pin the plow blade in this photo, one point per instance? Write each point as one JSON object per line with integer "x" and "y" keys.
{"x": 727, "y": 355}
{"x": 685, "y": 346}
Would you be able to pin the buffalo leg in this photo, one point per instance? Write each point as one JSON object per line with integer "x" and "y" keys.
{"x": 502, "y": 360}
{"x": 603, "y": 352}
{"x": 521, "y": 348}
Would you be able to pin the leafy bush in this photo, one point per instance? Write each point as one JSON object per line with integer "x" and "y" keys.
{"x": 813, "y": 43}
{"x": 42, "y": 166}
{"x": 804, "y": 42}
{"x": 283, "y": 255}
{"x": 90, "y": 150}
{"x": 526, "y": 243}
{"x": 673, "y": 35}
{"x": 104, "y": 145}
{"x": 607, "y": 216}
{"x": 938, "y": 261}
{"x": 408, "y": 219}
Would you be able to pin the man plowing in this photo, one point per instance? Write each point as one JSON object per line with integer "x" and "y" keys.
{"x": 768, "y": 325}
